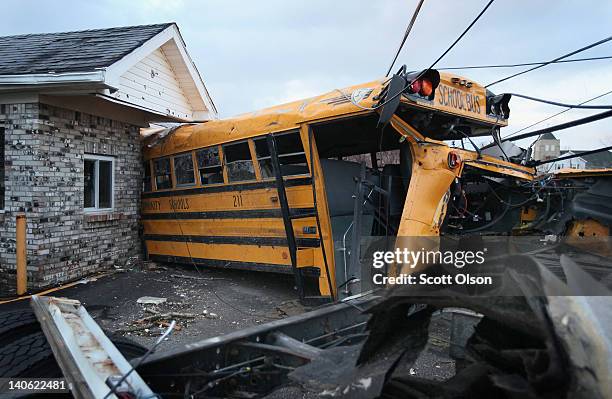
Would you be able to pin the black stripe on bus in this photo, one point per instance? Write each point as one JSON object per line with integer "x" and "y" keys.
{"x": 260, "y": 241}
{"x": 233, "y": 214}
{"x": 302, "y": 181}
{"x": 263, "y": 267}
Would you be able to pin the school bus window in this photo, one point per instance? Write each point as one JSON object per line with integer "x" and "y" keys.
{"x": 238, "y": 162}
{"x": 183, "y": 170}
{"x": 162, "y": 173}
{"x": 146, "y": 180}
{"x": 209, "y": 166}
{"x": 290, "y": 155}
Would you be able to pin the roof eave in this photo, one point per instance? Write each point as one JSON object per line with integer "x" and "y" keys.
{"x": 41, "y": 79}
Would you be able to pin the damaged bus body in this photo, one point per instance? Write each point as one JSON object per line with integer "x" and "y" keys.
{"x": 296, "y": 188}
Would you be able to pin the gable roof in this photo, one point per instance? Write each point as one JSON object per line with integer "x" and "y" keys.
{"x": 547, "y": 136}
{"x": 71, "y": 51}
{"x": 143, "y": 67}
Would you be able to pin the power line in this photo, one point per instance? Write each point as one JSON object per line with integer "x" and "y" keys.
{"x": 558, "y": 104}
{"x": 399, "y": 93}
{"x": 462, "y": 34}
{"x": 557, "y": 114}
{"x": 576, "y": 155}
{"x": 607, "y": 57}
{"x": 408, "y": 29}
{"x": 551, "y": 61}
{"x": 567, "y": 125}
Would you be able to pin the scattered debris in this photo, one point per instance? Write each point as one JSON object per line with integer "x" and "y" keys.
{"x": 152, "y": 266}
{"x": 157, "y": 320}
{"x": 290, "y": 308}
{"x": 150, "y": 300}
{"x": 166, "y": 316}
{"x": 87, "y": 280}
{"x": 196, "y": 277}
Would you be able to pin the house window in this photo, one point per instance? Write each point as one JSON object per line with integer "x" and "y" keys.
{"x": 209, "y": 166}
{"x": 238, "y": 162}
{"x": 163, "y": 179}
{"x": 2, "y": 155}
{"x": 99, "y": 179}
{"x": 183, "y": 170}
{"x": 291, "y": 155}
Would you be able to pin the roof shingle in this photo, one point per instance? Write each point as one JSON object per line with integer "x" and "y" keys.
{"x": 71, "y": 51}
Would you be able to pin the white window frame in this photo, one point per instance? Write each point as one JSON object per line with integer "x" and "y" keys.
{"x": 97, "y": 158}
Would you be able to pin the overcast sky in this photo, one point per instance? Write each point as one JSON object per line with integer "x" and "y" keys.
{"x": 253, "y": 54}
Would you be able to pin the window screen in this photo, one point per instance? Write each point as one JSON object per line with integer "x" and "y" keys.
{"x": 183, "y": 170}
{"x": 209, "y": 166}
{"x": 238, "y": 162}
{"x": 162, "y": 173}
{"x": 290, "y": 155}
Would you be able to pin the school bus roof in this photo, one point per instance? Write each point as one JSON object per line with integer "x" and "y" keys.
{"x": 453, "y": 96}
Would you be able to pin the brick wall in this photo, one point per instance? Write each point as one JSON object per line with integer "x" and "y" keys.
{"x": 44, "y": 149}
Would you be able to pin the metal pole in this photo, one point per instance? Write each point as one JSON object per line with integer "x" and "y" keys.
{"x": 22, "y": 274}
{"x": 355, "y": 258}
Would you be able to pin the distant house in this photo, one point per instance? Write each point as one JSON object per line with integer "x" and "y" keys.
{"x": 592, "y": 161}
{"x": 546, "y": 147}
{"x": 71, "y": 106}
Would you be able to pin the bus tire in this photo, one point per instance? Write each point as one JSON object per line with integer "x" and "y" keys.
{"x": 28, "y": 357}
{"x": 31, "y": 356}
{"x": 16, "y": 324}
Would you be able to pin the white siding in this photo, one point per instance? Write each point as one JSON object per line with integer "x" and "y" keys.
{"x": 152, "y": 83}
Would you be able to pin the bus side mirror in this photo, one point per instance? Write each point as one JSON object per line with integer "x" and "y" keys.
{"x": 392, "y": 99}
{"x": 498, "y": 105}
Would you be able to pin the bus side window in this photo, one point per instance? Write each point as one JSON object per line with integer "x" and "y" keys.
{"x": 162, "y": 173}
{"x": 290, "y": 155}
{"x": 183, "y": 170}
{"x": 209, "y": 166}
{"x": 238, "y": 162}
{"x": 146, "y": 181}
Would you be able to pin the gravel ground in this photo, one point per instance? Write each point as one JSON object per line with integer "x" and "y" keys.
{"x": 435, "y": 362}
{"x": 221, "y": 301}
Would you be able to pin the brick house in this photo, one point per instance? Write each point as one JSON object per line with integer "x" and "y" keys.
{"x": 71, "y": 108}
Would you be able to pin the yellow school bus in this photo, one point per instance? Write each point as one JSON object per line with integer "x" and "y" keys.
{"x": 283, "y": 189}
